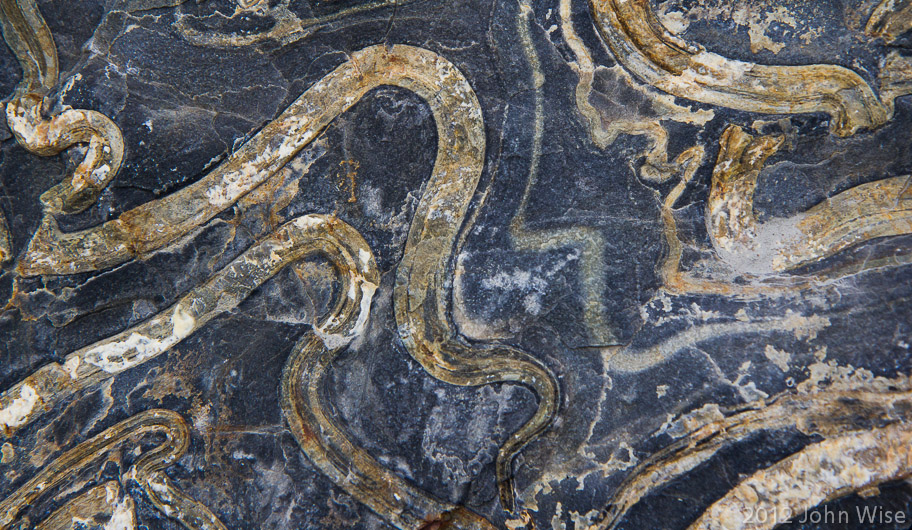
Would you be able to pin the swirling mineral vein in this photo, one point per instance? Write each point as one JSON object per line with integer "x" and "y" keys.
{"x": 147, "y": 471}
{"x": 421, "y": 294}
{"x": 875, "y": 209}
{"x": 649, "y": 51}
{"x": 30, "y": 40}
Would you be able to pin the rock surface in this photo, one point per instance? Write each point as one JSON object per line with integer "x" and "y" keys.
{"x": 693, "y": 217}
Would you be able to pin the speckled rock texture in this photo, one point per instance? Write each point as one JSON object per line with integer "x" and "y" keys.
{"x": 512, "y": 264}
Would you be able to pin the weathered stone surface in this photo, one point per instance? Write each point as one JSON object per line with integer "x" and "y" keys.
{"x": 667, "y": 243}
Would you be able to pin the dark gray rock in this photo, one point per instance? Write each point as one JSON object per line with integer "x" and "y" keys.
{"x": 188, "y": 83}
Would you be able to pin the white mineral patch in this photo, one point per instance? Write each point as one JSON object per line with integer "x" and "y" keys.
{"x": 532, "y": 303}
{"x": 308, "y": 221}
{"x": 233, "y": 185}
{"x": 290, "y": 147}
{"x": 674, "y": 21}
{"x": 71, "y": 365}
{"x": 7, "y": 453}
{"x": 518, "y": 279}
{"x": 805, "y": 327}
{"x": 714, "y": 62}
{"x": 469, "y": 325}
{"x": 335, "y": 340}
{"x": 182, "y": 323}
{"x": 159, "y": 486}
{"x": 778, "y": 357}
{"x": 332, "y": 341}
{"x": 516, "y": 524}
{"x": 367, "y": 294}
{"x": 111, "y": 491}
{"x": 99, "y": 174}
{"x": 68, "y": 85}
{"x": 18, "y": 411}
{"x": 123, "y": 517}
{"x": 118, "y": 355}
{"x": 18, "y": 124}
{"x": 115, "y": 357}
